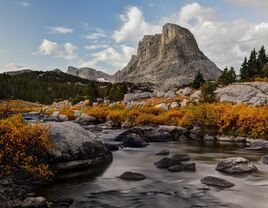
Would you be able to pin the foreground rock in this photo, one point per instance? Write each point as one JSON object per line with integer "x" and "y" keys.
{"x": 132, "y": 176}
{"x": 86, "y": 120}
{"x": 253, "y": 93}
{"x": 75, "y": 147}
{"x": 216, "y": 182}
{"x": 235, "y": 165}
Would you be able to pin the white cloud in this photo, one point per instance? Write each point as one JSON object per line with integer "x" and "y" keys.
{"x": 258, "y": 3}
{"x": 60, "y": 30}
{"x": 116, "y": 57}
{"x": 2, "y": 51}
{"x": 24, "y": 3}
{"x": 96, "y": 46}
{"x": 47, "y": 47}
{"x": 94, "y": 36}
{"x": 66, "y": 51}
{"x": 13, "y": 67}
{"x": 133, "y": 26}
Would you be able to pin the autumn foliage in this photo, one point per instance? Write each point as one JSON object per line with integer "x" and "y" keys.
{"x": 222, "y": 118}
{"x": 23, "y": 148}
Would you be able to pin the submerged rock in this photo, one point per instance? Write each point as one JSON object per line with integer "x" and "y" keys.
{"x": 235, "y": 165}
{"x": 163, "y": 163}
{"x": 163, "y": 152}
{"x": 75, "y": 147}
{"x": 216, "y": 182}
{"x": 264, "y": 159}
{"x": 132, "y": 176}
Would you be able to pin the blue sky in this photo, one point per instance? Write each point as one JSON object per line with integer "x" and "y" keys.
{"x": 103, "y": 34}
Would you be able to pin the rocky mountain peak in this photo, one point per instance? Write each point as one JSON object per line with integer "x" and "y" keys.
{"x": 170, "y": 58}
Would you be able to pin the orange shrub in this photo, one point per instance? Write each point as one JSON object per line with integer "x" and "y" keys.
{"x": 23, "y": 147}
{"x": 67, "y": 112}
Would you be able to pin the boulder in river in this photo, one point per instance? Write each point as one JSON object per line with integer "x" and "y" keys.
{"x": 235, "y": 165}
{"x": 132, "y": 176}
{"x": 134, "y": 140}
{"x": 216, "y": 182}
{"x": 176, "y": 168}
{"x": 197, "y": 133}
{"x": 264, "y": 159}
{"x": 75, "y": 147}
{"x": 163, "y": 152}
{"x": 163, "y": 163}
{"x": 178, "y": 158}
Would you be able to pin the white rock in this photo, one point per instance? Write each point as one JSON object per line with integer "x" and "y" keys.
{"x": 184, "y": 102}
{"x": 186, "y": 91}
{"x": 174, "y": 105}
{"x": 162, "y": 106}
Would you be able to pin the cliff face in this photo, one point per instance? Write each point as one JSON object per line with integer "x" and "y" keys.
{"x": 170, "y": 58}
{"x": 89, "y": 73}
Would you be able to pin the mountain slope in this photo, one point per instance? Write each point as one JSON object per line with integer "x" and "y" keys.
{"x": 89, "y": 73}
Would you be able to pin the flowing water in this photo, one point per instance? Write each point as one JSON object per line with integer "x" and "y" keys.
{"x": 162, "y": 188}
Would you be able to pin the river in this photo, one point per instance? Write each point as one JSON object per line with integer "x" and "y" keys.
{"x": 161, "y": 188}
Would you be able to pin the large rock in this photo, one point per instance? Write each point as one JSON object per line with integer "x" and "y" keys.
{"x": 235, "y": 165}
{"x": 136, "y": 96}
{"x": 155, "y": 133}
{"x": 75, "y": 147}
{"x": 216, "y": 182}
{"x": 86, "y": 120}
{"x": 134, "y": 140}
{"x": 168, "y": 59}
{"x": 162, "y": 106}
{"x": 253, "y": 93}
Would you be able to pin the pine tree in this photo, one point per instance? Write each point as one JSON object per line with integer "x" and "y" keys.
{"x": 198, "y": 80}
{"x": 252, "y": 64}
{"x": 228, "y": 76}
{"x": 262, "y": 61}
{"x": 244, "y": 70}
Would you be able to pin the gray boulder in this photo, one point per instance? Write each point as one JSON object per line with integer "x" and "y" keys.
{"x": 134, "y": 140}
{"x": 186, "y": 91}
{"x": 86, "y": 120}
{"x": 75, "y": 147}
{"x": 132, "y": 176}
{"x": 253, "y": 93}
{"x": 235, "y": 165}
{"x": 197, "y": 133}
{"x": 216, "y": 182}
{"x": 163, "y": 163}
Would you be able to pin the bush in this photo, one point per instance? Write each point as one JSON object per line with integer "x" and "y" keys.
{"x": 207, "y": 92}
{"x": 198, "y": 80}
{"x": 23, "y": 148}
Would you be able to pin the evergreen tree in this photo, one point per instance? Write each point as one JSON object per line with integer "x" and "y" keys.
{"x": 244, "y": 70}
{"x": 252, "y": 64}
{"x": 198, "y": 80}
{"x": 228, "y": 76}
{"x": 262, "y": 61}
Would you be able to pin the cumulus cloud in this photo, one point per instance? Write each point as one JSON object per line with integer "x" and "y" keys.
{"x": 133, "y": 26}
{"x": 114, "y": 57}
{"x": 13, "y": 67}
{"x": 60, "y": 30}
{"x": 66, "y": 51}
